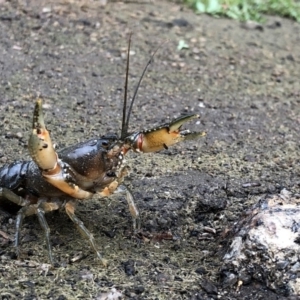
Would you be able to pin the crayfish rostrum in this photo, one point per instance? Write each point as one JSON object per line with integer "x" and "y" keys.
{"x": 51, "y": 180}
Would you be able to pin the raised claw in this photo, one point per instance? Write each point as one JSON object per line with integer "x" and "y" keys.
{"x": 163, "y": 136}
{"x": 40, "y": 145}
{"x": 43, "y": 154}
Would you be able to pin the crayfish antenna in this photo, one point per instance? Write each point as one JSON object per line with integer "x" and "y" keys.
{"x": 124, "y": 125}
{"x": 125, "y": 119}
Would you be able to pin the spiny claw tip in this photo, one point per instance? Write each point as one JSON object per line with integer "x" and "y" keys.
{"x": 38, "y": 119}
{"x": 177, "y": 123}
{"x": 192, "y": 135}
{"x": 38, "y": 105}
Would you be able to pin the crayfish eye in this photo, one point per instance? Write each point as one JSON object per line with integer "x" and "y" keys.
{"x": 111, "y": 174}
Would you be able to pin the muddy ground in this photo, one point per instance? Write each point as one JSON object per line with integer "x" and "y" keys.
{"x": 243, "y": 82}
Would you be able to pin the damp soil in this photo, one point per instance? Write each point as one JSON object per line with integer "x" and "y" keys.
{"x": 243, "y": 80}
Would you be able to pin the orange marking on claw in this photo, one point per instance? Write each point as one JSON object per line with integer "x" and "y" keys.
{"x": 155, "y": 141}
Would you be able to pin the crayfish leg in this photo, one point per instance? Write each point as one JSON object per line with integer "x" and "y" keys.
{"x": 36, "y": 209}
{"x": 70, "y": 209}
{"x": 113, "y": 186}
{"x": 116, "y": 187}
{"x": 19, "y": 222}
{"x": 41, "y": 216}
{"x": 136, "y": 220}
{"x": 11, "y": 196}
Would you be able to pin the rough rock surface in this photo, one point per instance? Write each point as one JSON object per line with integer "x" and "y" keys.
{"x": 265, "y": 246}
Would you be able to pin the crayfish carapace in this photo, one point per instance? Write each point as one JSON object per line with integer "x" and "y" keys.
{"x": 51, "y": 180}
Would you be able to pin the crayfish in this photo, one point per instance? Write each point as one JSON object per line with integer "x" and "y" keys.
{"x": 55, "y": 180}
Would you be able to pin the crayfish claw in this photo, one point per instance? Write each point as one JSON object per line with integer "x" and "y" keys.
{"x": 163, "y": 136}
{"x": 40, "y": 145}
{"x": 177, "y": 123}
{"x": 185, "y": 134}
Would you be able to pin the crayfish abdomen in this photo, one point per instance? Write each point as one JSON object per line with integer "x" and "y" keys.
{"x": 13, "y": 175}
{"x": 24, "y": 179}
